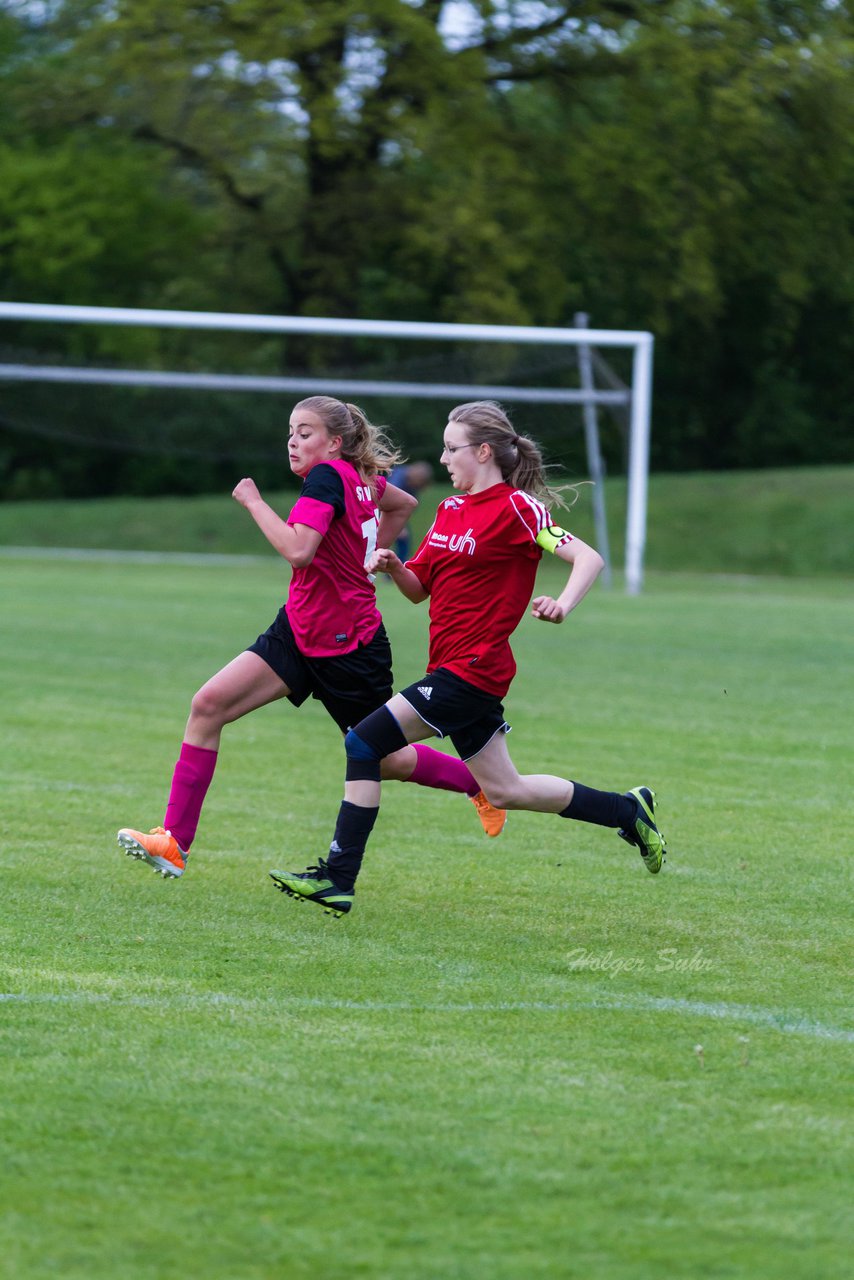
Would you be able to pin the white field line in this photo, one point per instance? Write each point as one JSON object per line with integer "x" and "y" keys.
{"x": 132, "y": 557}
{"x": 718, "y": 1011}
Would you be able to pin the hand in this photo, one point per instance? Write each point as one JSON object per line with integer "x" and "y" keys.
{"x": 245, "y": 491}
{"x": 548, "y": 610}
{"x": 381, "y": 561}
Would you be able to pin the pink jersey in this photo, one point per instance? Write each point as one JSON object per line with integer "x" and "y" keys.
{"x": 331, "y": 603}
{"x": 478, "y": 562}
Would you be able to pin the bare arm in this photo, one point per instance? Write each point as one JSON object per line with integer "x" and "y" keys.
{"x": 396, "y": 506}
{"x": 385, "y": 561}
{"x": 586, "y": 565}
{"x": 297, "y": 543}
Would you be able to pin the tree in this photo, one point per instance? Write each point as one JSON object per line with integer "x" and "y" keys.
{"x": 678, "y": 165}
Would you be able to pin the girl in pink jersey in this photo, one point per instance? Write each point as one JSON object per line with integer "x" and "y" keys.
{"x": 328, "y": 639}
{"x": 477, "y": 567}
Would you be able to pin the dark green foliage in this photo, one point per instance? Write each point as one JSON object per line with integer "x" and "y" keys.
{"x": 679, "y": 167}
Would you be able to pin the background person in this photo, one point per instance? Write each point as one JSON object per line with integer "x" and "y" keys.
{"x": 411, "y": 477}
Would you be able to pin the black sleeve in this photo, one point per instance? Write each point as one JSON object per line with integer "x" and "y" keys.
{"x": 324, "y": 484}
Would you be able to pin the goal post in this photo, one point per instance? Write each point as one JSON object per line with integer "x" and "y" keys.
{"x": 638, "y": 397}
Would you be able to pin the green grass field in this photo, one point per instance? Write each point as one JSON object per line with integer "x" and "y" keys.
{"x": 516, "y": 1059}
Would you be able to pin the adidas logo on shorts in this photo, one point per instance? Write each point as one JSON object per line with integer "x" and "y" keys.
{"x": 425, "y": 690}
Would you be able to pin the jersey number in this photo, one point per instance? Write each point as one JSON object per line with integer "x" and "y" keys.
{"x": 370, "y": 529}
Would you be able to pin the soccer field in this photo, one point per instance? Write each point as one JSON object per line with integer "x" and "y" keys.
{"x": 522, "y": 1059}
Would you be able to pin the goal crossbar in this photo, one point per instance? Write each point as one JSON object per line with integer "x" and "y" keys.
{"x": 328, "y": 386}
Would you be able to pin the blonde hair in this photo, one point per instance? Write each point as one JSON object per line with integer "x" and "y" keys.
{"x": 518, "y": 457}
{"x": 366, "y": 446}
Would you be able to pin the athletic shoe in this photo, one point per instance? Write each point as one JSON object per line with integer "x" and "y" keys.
{"x": 492, "y": 819}
{"x": 159, "y": 849}
{"x": 314, "y": 885}
{"x": 644, "y": 833}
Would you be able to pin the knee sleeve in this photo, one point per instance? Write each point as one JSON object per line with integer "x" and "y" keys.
{"x": 373, "y": 738}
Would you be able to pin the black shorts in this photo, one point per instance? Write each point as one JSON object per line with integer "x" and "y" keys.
{"x": 350, "y": 686}
{"x": 469, "y": 716}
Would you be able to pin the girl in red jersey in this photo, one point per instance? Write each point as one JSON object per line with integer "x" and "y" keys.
{"x": 328, "y": 639}
{"x": 477, "y": 566}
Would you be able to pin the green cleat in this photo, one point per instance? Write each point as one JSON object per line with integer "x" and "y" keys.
{"x": 644, "y": 833}
{"x": 314, "y": 885}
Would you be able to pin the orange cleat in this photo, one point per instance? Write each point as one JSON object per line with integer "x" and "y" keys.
{"x": 492, "y": 819}
{"x": 158, "y": 848}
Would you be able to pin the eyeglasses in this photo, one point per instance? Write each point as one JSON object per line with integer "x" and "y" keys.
{"x": 455, "y": 448}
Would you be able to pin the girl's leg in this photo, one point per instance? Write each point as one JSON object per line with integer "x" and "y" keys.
{"x": 365, "y": 790}
{"x": 632, "y": 813}
{"x": 378, "y": 736}
{"x": 247, "y": 682}
{"x": 427, "y": 767}
{"x": 545, "y": 793}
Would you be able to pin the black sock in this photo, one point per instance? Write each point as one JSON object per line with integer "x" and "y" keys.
{"x": 604, "y": 808}
{"x": 352, "y": 830}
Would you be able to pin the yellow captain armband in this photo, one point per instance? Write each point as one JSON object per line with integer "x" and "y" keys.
{"x": 553, "y": 537}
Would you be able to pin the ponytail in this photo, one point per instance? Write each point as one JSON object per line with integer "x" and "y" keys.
{"x": 366, "y": 446}
{"x": 369, "y": 448}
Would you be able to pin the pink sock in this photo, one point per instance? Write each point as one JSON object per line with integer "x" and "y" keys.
{"x": 447, "y": 773}
{"x": 190, "y": 781}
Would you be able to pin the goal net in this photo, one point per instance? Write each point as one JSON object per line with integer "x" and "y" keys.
{"x": 152, "y": 383}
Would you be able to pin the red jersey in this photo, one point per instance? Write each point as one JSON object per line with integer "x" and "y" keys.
{"x": 478, "y": 563}
{"x": 331, "y": 605}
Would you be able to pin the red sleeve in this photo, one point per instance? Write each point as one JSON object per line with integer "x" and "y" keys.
{"x": 533, "y": 517}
